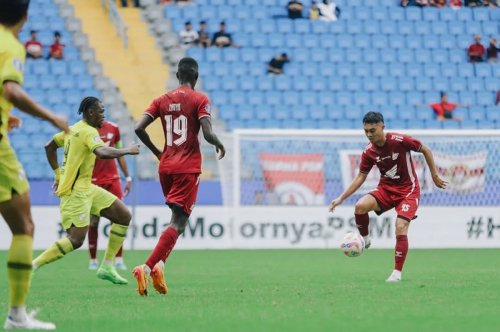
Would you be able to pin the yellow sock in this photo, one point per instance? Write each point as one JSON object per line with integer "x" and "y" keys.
{"x": 19, "y": 268}
{"x": 54, "y": 252}
{"x": 116, "y": 237}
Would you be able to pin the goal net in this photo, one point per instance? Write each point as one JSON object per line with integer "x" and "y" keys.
{"x": 311, "y": 167}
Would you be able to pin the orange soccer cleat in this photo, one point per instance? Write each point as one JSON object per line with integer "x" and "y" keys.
{"x": 158, "y": 279}
{"x": 142, "y": 281}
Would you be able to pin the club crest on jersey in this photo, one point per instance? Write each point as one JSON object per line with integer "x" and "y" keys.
{"x": 395, "y": 156}
{"x": 17, "y": 64}
{"x": 392, "y": 173}
{"x": 174, "y": 107}
{"x": 97, "y": 139}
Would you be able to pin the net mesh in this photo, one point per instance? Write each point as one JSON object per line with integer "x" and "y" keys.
{"x": 296, "y": 168}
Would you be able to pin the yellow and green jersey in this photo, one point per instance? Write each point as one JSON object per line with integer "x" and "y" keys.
{"x": 12, "y": 56}
{"x": 79, "y": 158}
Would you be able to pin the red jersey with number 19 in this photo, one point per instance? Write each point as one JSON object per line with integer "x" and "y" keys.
{"x": 397, "y": 172}
{"x": 180, "y": 111}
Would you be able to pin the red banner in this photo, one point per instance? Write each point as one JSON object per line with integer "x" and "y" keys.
{"x": 294, "y": 179}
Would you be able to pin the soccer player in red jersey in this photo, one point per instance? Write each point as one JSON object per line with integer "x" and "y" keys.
{"x": 106, "y": 176}
{"x": 182, "y": 112}
{"x": 398, "y": 187}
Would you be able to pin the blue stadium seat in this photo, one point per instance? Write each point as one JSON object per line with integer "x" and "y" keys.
{"x": 249, "y": 83}
{"x": 494, "y": 114}
{"x": 449, "y": 70}
{"x": 397, "y": 14}
{"x": 492, "y": 83}
{"x": 319, "y": 55}
{"x": 355, "y": 27}
{"x": 380, "y": 70}
{"x": 389, "y": 56}
{"x": 320, "y": 27}
{"x": 413, "y": 14}
{"x": 458, "y": 84}
{"x": 397, "y": 41}
{"x": 66, "y": 82}
{"x": 431, "y": 69}
{"x": 227, "y": 112}
{"x": 380, "y": 41}
{"x": 283, "y": 83}
{"x": 439, "y": 56}
{"x": 379, "y": 13}
{"x": 397, "y": 98}
{"x": 220, "y": 97}
{"x": 293, "y": 41}
{"x": 483, "y": 70}
{"x": 317, "y": 113}
{"x": 362, "y": 41}
{"x": 284, "y": 25}
{"x": 447, "y": 14}
{"x": 249, "y": 55}
{"x": 291, "y": 97}
{"x": 466, "y": 70}
{"x": 467, "y": 98}
{"x": 379, "y": 98}
{"x": 302, "y": 26}
{"x": 354, "y": 83}
{"x": 489, "y": 28}
{"x": 221, "y": 69}
{"x": 231, "y": 83}
{"x": 475, "y": 84}
{"x": 422, "y": 55}
{"x": 301, "y": 55}
{"x": 301, "y": 83}
{"x": 309, "y": 98}
{"x": 476, "y": 113}
{"x": 440, "y": 84}
{"x": 447, "y": 41}
{"x": 344, "y": 98}
{"x": 264, "y": 112}
{"x": 273, "y": 98}
{"x": 430, "y": 14}
{"x": 389, "y": 28}
{"x": 464, "y": 14}
{"x": 371, "y": 27}
{"x": 397, "y": 70}
{"x": 276, "y": 40}
{"x": 318, "y": 83}
{"x": 362, "y": 70}
{"x": 337, "y": 27}
{"x": 328, "y": 41}
{"x": 473, "y": 28}
{"x": 388, "y": 84}
{"x": 371, "y": 56}
{"x": 370, "y": 84}
{"x": 258, "y": 40}
{"x": 486, "y": 124}
{"x": 481, "y": 14}
{"x": 484, "y": 98}
{"x": 326, "y": 98}
{"x": 345, "y": 70}
{"x": 430, "y": 41}
{"x": 345, "y": 41}
{"x": 414, "y": 70}
{"x": 423, "y": 84}
{"x": 414, "y": 42}
{"x": 456, "y": 29}
{"x": 414, "y": 98}
{"x": 255, "y": 98}
{"x": 328, "y": 69}
{"x": 457, "y": 57}
{"x": 406, "y": 28}
{"x": 265, "y": 54}
{"x": 354, "y": 55}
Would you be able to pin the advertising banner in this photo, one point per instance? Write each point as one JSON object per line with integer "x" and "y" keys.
{"x": 466, "y": 173}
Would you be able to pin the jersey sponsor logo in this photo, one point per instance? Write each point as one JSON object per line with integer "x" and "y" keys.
{"x": 378, "y": 159}
{"x": 405, "y": 207}
{"x": 18, "y": 64}
{"x": 97, "y": 139}
{"x": 392, "y": 173}
{"x": 395, "y": 156}
{"x": 174, "y": 107}
{"x": 397, "y": 138}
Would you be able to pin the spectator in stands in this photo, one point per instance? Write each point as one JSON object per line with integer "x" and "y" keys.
{"x": 221, "y": 38}
{"x": 34, "y": 49}
{"x": 440, "y": 3}
{"x": 125, "y": 3}
{"x": 407, "y": 3}
{"x": 56, "y": 49}
{"x": 492, "y": 51}
{"x": 497, "y": 102}
{"x": 473, "y": 3}
{"x": 295, "y": 9}
{"x": 328, "y": 11}
{"x": 476, "y": 50}
{"x": 203, "y": 36}
{"x": 444, "y": 109}
{"x": 456, "y": 4}
{"x": 490, "y": 3}
{"x": 188, "y": 36}
{"x": 314, "y": 11}
{"x": 277, "y": 63}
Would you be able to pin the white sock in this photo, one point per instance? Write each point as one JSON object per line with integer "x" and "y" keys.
{"x": 107, "y": 263}
{"x": 18, "y": 313}
{"x": 161, "y": 264}
{"x": 366, "y": 238}
{"x": 118, "y": 260}
{"x": 147, "y": 270}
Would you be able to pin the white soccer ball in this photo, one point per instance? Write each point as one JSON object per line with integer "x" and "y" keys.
{"x": 352, "y": 244}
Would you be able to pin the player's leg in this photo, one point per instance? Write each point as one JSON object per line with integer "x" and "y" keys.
{"x": 109, "y": 206}
{"x": 115, "y": 188}
{"x": 364, "y": 205}
{"x": 93, "y": 235}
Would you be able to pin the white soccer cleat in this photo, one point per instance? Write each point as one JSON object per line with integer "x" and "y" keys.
{"x": 120, "y": 265}
{"x": 394, "y": 277}
{"x": 28, "y": 323}
{"x": 368, "y": 241}
{"x": 93, "y": 265}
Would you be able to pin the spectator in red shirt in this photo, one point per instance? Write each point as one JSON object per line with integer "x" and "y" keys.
{"x": 456, "y": 4}
{"x": 56, "y": 49}
{"x": 476, "y": 50}
{"x": 34, "y": 49}
{"x": 444, "y": 109}
{"x": 498, "y": 98}
{"x": 492, "y": 51}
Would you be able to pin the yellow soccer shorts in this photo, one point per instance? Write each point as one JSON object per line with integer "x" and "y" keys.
{"x": 12, "y": 177}
{"x": 77, "y": 207}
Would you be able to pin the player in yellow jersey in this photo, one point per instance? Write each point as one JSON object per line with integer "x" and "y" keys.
{"x": 79, "y": 197}
{"x": 14, "y": 188}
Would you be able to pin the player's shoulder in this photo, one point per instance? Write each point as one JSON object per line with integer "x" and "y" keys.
{"x": 10, "y": 44}
{"x": 368, "y": 147}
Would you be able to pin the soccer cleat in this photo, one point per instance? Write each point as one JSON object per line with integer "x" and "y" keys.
{"x": 142, "y": 281}
{"x": 158, "y": 279}
{"x": 120, "y": 265}
{"x": 108, "y": 272}
{"x": 368, "y": 241}
{"x": 93, "y": 265}
{"x": 394, "y": 277}
{"x": 28, "y": 323}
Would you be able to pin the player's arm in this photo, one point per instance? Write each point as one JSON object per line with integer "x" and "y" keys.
{"x": 123, "y": 166}
{"x": 429, "y": 159}
{"x": 14, "y": 93}
{"x": 355, "y": 184}
{"x": 107, "y": 152}
{"x": 140, "y": 131}
{"x": 210, "y": 137}
{"x": 51, "y": 154}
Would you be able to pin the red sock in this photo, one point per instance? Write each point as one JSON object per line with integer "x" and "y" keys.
{"x": 362, "y": 221}
{"x": 93, "y": 241}
{"x": 400, "y": 252}
{"x": 120, "y": 252}
{"x": 163, "y": 248}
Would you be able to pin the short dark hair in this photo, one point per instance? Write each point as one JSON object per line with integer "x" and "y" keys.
{"x": 187, "y": 69}
{"x": 87, "y": 104}
{"x": 373, "y": 118}
{"x": 57, "y": 34}
{"x": 12, "y": 11}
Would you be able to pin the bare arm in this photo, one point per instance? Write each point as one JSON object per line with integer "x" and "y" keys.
{"x": 210, "y": 137}
{"x": 355, "y": 184}
{"x": 429, "y": 159}
{"x": 107, "y": 152}
{"x": 14, "y": 93}
{"x": 140, "y": 131}
{"x": 123, "y": 166}
{"x": 51, "y": 153}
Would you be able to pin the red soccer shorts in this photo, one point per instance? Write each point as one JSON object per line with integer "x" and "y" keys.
{"x": 114, "y": 187}
{"x": 405, "y": 206}
{"x": 180, "y": 189}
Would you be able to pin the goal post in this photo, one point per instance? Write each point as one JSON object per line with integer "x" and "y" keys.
{"x": 267, "y": 167}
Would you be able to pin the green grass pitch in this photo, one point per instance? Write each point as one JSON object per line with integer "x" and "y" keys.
{"x": 277, "y": 290}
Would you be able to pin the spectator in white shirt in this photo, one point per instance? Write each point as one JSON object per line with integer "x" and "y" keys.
{"x": 188, "y": 36}
{"x": 327, "y": 11}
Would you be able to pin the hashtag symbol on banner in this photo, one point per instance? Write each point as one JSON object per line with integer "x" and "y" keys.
{"x": 491, "y": 227}
{"x": 475, "y": 227}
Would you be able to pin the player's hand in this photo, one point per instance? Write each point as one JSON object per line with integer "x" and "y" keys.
{"x": 14, "y": 122}
{"x": 336, "y": 202}
{"x": 128, "y": 186}
{"x": 60, "y": 122}
{"x": 221, "y": 151}
{"x": 440, "y": 183}
{"x": 57, "y": 176}
{"x": 133, "y": 149}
